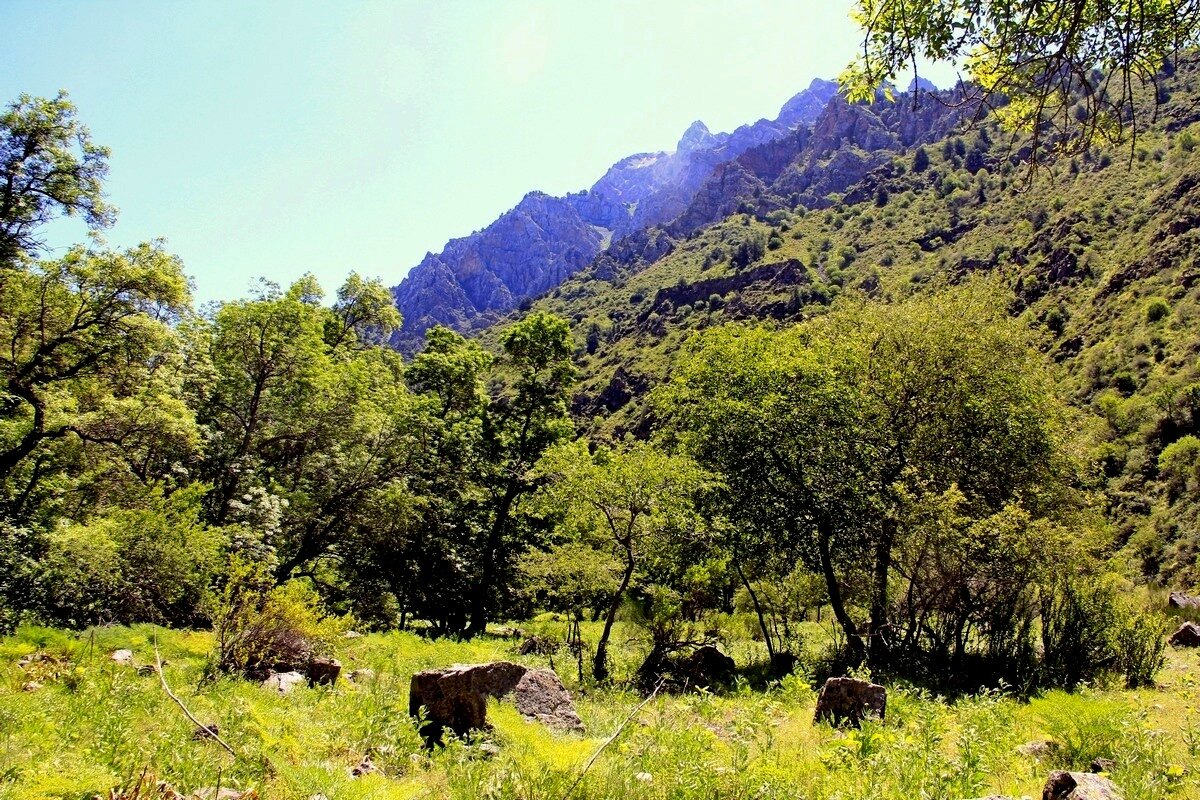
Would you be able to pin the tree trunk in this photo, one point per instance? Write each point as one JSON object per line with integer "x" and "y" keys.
{"x": 481, "y": 600}
{"x": 858, "y": 651}
{"x": 878, "y": 648}
{"x": 762, "y": 621}
{"x": 600, "y": 665}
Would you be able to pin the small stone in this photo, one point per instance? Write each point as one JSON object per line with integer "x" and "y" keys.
{"x": 210, "y": 731}
{"x": 351, "y": 635}
{"x": 146, "y": 670}
{"x": 644, "y": 777}
{"x": 365, "y": 767}
{"x": 30, "y": 686}
{"x": 123, "y": 657}
{"x": 223, "y": 793}
{"x": 488, "y": 750}
{"x": 1037, "y": 749}
{"x": 283, "y": 682}
{"x": 363, "y": 675}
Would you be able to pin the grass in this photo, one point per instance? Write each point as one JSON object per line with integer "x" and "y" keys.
{"x": 96, "y": 724}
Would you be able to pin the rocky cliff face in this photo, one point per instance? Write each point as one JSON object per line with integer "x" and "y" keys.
{"x": 545, "y": 239}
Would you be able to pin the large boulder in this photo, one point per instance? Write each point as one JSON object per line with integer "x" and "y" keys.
{"x": 1188, "y": 635}
{"x": 456, "y": 698}
{"x": 1182, "y": 601}
{"x": 1079, "y": 786}
{"x": 323, "y": 671}
{"x": 849, "y": 700}
{"x": 705, "y": 666}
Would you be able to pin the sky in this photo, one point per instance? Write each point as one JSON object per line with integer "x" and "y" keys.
{"x": 264, "y": 139}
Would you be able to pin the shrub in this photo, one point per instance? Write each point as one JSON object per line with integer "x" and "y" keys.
{"x": 261, "y": 628}
{"x": 1156, "y": 309}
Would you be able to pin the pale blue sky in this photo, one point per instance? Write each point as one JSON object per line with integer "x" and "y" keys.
{"x": 270, "y": 139}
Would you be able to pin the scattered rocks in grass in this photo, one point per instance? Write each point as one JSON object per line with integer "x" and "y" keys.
{"x": 849, "y": 700}
{"x": 1182, "y": 601}
{"x": 456, "y": 697}
{"x": 323, "y": 671}
{"x": 123, "y": 657}
{"x": 283, "y": 682}
{"x": 1188, "y": 635}
{"x": 1062, "y": 785}
{"x": 363, "y": 675}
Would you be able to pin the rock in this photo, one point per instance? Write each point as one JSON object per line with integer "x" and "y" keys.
{"x": 351, "y": 635}
{"x": 365, "y": 767}
{"x": 323, "y": 671}
{"x": 488, "y": 750}
{"x": 283, "y": 682}
{"x": 209, "y": 731}
{"x": 850, "y": 700}
{"x": 456, "y": 698}
{"x": 706, "y": 666}
{"x": 30, "y": 686}
{"x": 146, "y": 670}
{"x": 224, "y": 793}
{"x": 1182, "y": 601}
{"x": 1102, "y": 765}
{"x": 123, "y": 657}
{"x": 363, "y": 675}
{"x": 644, "y": 777}
{"x": 1037, "y": 749}
{"x": 1079, "y": 786}
{"x": 538, "y": 645}
{"x": 1188, "y": 635}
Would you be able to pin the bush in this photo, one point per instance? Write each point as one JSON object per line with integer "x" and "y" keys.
{"x": 1089, "y": 629}
{"x": 262, "y": 628}
{"x": 152, "y": 564}
{"x": 1156, "y": 309}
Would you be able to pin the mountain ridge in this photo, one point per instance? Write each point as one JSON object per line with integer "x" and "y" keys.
{"x": 544, "y": 239}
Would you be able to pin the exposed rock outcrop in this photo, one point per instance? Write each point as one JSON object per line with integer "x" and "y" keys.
{"x": 1063, "y": 785}
{"x": 849, "y": 701}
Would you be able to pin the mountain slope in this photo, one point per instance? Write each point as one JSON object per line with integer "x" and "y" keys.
{"x": 544, "y": 239}
{"x": 1099, "y": 252}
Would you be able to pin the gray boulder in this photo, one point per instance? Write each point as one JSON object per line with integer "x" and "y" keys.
{"x": 1063, "y": 785}
{"x": 1182, "y": 601}
{"x": 456, "y": 698}
{"x": 1188, "y": 635}
{"x": 849, "y": 700}
{"x": 283, "y": 682}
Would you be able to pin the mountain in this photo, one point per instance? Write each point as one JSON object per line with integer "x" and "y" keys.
{"x": 542, "y": 240}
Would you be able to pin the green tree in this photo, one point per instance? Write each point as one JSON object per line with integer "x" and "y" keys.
{"x": 830, "y": 433}
{"x": 527, "y": 416}
{"x": 1033, "y": 62}
{"x": 48, "y": 166}
{"x": 625, "y": 500}
{"x": 86, "y": 359}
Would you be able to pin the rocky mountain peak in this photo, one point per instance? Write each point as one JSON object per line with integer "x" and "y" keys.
{"x": 696, "y": 137}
